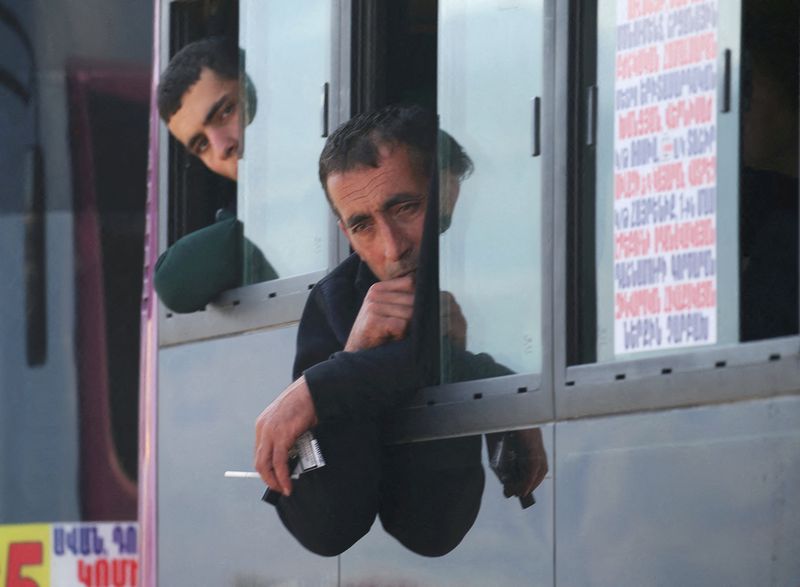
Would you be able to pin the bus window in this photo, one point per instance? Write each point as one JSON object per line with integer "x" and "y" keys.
{"x": 245, "y": 205}
{"x": 684, "y": 236}
{"x": 286, "y": 69}
{"x": 489, "y": 102}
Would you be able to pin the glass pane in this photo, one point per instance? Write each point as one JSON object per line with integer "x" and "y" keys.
{"x": 490, "y": 69}
{"x": 666, "y": 192}
{"x": 280, "y": 201}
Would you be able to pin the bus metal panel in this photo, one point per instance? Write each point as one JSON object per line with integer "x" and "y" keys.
{"x": 214, "y": 530}
{"x": 700, "y": 496}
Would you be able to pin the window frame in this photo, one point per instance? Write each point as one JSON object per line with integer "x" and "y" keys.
{"x": 497, "y": 404}
{"x": 698, "y": 376}
{"x": 267, "y": 304}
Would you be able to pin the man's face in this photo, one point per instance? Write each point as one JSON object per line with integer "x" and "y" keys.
{"x": 208, "y": 121}
{"x": 382, "y": 211}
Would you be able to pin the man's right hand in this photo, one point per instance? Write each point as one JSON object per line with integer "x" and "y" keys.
{"x": 384, "y": 315}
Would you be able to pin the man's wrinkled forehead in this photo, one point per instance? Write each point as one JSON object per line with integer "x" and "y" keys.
{"x": 395, "y": 167}
{"x": 383, "y": 152}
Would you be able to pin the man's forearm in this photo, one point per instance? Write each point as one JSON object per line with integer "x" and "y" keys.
{"x": 363, "y": 384}
{"x": 277, "y": 428}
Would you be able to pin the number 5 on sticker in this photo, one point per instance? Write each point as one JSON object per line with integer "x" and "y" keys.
{"x": 21, "y": 555}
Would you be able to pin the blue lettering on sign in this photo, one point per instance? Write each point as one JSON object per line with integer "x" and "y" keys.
{"x": 78, "y": 541}
{"x": 706, "y": 201}
{"x": 693, "y": 265}
{"x": 641, "y": 333}
{"x": 701, "y": 140}
{"x": 125, "y": 539}
{"x": 670, "y": 85}
{"x": 639, "y": 272}
{"x": 688, "y": 327}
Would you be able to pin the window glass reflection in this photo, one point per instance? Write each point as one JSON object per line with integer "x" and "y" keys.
{"x": 490, "y": 266}
{"x": 280, "y": 202}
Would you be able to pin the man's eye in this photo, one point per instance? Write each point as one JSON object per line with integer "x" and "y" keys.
{"x": 227, "y": 110}
{"x": 359, "y": 228}
{"x": 408, "y": 208}
{"x": 200, "y": 146}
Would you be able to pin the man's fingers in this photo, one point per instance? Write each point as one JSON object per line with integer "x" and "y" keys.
{"x": 392, "y": 311}
{"x": 405, "y": 283}
{"x": 280, "y": 464}
{"x": 390, "y": 298}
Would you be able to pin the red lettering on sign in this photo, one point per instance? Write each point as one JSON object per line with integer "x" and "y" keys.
{"x": 694, "y": 234}
{"x": 637, "y": 303}
{"x": 634, "y": 243}
{"x": 702, "y": 171}
{"x": 22, "y": 554}
{"x": 638, "y": 63}
{"x": 640, "y": 8}
{"x": 105, "y": 573}
{"x": 690, "y": 296}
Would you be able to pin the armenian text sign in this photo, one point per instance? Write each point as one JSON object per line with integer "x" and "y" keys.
{"x": 665, "y": 163}
{"x": 69, "y": 555}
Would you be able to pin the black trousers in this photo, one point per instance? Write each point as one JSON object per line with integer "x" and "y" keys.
{"x": 427, "y": 494}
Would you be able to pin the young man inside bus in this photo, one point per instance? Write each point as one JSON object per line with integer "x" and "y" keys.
{"x": 198, "y": 99}
{"x": 367, "y": 341}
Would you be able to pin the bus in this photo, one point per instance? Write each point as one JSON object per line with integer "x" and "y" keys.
{"x": 626, "y": 245}
{"x": 610, "y": 247}
{"x": 74, "y": 109}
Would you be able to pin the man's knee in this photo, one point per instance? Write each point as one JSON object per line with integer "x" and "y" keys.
{"x": 329, "y": 532}
{"x": 433, "y": 522}
{"x": 331, "y": 508}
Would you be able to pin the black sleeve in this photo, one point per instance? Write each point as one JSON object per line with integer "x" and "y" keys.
{"x": 363, "y": 384}
{"x": 343, "y": 384}
{"x": 316, "y": 339}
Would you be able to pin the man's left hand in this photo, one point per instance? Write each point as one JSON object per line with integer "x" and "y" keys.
{"x": 522, "y": 469}
{"x": 277, "y": 428}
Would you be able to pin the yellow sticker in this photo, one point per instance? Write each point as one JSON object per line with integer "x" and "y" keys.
{"x": 25, "y": 555}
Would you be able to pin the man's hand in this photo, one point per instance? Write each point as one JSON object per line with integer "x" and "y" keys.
{"x": 384, "y": 315}
{"x": 454, "y": 321}
{"x": 522, "y": 464}
{"x": 278, "y": 426}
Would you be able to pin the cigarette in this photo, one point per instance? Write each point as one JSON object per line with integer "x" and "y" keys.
{"x": 242, "y": 474}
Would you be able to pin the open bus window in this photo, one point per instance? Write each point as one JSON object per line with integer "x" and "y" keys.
{"x": 490, "y": 248}
{"x": 685, "y": 228}
{"x": 285, "y": 68}
{"x": 246, "y": 206}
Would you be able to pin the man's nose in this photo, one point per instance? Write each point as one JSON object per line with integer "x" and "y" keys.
{"x": 396, "y": 243}
{"x": 223, "y": 145}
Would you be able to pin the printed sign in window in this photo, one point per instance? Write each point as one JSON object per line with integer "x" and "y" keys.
{"x": 69, "y": 555}
{"x": 665, "y": 162}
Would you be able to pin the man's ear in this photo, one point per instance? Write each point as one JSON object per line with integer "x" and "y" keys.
{"x": 450, "y": 189}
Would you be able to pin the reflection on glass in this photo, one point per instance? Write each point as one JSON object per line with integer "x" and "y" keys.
{"x": 491, "y": 245}
{"x": 280, "y": 200}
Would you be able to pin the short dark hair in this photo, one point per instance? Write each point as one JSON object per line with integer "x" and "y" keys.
{"x": 219, "y": 54}
{"x": 356, "y": 143}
